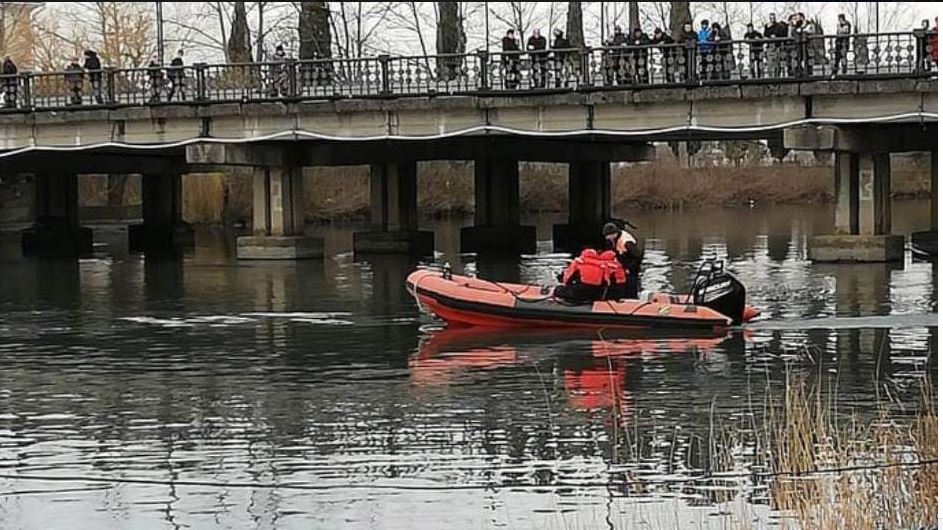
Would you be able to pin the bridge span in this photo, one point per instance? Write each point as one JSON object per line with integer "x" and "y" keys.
{"x": 584, "y": 119}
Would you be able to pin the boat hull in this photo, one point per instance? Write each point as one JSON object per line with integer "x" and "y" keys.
{"x": 463, "y": 300}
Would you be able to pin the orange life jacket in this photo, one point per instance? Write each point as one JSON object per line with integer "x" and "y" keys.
{"x": 593, "y": 271}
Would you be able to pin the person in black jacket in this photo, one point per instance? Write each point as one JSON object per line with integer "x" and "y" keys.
{"x": 94, "y": 68}
{"x": 774, "y": 50}
{"x": 562, "y": 67}
{"x": 688, "y": 37}
{"x": 510, "y": 60}
{"x": 10, "y": 82}
{"x": 176, "y": 75}
{"x": 617, "y": 66}
{"x": 639, "y": 45}
{"x": 537, "y": 46}
{"x": 155, "y": 75}
{"x": 668, "y": 53}
{"x": 629, "y": 254}
{"x": 74, "y": 76}
{"x": 755, "y": 38}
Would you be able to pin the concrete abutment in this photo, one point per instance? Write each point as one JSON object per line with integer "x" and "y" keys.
{"x": 163, "y": 229}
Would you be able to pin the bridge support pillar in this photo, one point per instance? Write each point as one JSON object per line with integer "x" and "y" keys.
{"x": 497, "y": 211}
{"x": 163, "y": 228}
{"x": 862, "y": 212}
{"x": 394, "y": 213}
{"x": 56, "y": 232}
{"x": 278, "y": 218}
{"x": 589, "y": 207}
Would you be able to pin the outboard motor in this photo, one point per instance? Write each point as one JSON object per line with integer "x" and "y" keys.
{"x": 719, "y": 290}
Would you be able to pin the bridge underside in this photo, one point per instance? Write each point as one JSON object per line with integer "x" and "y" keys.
{"x": 863, "y": 120}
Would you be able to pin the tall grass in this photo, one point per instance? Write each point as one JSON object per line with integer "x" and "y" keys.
{"x": 886, "y": 474}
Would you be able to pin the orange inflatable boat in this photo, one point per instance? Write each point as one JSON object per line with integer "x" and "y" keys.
{"x": 717, "y": 300}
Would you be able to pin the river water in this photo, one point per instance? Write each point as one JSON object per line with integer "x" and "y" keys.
{"x": 316, "y": 395}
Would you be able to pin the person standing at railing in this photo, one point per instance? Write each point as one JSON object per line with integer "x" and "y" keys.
{"x": 510, "y": 60}
{"x": 704, "y": 45}
{"x": 668, "y": 54}
{"x": 639, "y": 65}
{"x": 774, "y": 30}
{"x": 93, "y": 66}
{"x": 842, "y": 40}
{"x": 755, "y": 38}
{"x": 10, "y": 81}
{"x": 933, "y": 40}
{"x": 616, "y": 67}
{"x": 798, "y": 31}
{"x": 176, "y": 75}
{"x": 562, "y": 68}
{"x": 155, "y": 75}
{"x": 278, "y": 78}
{"x": 74, "y": 77}
{"x": 689, "y": 39}
{"x": 537, "y": 46}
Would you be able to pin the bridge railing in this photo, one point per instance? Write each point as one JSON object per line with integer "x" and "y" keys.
{"x": 805, "y": 57}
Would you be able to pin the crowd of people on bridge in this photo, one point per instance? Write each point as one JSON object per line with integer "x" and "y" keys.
{"x": 705, "y": 51}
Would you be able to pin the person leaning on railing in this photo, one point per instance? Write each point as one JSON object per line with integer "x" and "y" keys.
{"x": 74, "y": 76}
{"x": 562, "y": 58}
{"x": 842, "y": 41}
{"x": 510, "y": 60}
{"x": 775, "y": 30}
{"x": 156, "y": 76}
{"x": 668, "y": 53}
{"x": 688, "y": 37}
{"x": 93, "y": 66}
{"x": 537, "y": 46}
{"x": 639, "y": 65}
{"x": 755, "y": 38}
{"x": 10, "y": 81}
{"x": 176, "y": 74}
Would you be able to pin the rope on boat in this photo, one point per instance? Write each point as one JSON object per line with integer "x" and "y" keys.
{"x": 420, "y": 487}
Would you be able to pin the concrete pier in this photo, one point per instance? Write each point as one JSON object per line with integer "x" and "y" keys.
{"x": 278, "y": 218}
{"x": 394, "y": 213}
{"x": 56, "y": 231}
{"x": 862, "y": 212}
{"x": 589, "y": 207}
{"x": 163, "y": 229}
{"x": 497, "y": 211}
{"x": 862, "y": 187}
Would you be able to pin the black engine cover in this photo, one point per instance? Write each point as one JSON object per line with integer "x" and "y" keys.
{"x": 723, "y": 293}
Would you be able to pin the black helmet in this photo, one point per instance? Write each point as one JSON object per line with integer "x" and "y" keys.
{"x": 610, "y": 228}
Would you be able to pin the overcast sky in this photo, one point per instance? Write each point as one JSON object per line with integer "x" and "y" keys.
{"x": 196, "y": 25}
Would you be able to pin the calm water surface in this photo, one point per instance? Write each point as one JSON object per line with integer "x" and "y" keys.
{"x": 209, "y": 382}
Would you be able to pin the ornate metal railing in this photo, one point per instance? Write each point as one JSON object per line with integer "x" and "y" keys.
{"x": 806, "y": 57}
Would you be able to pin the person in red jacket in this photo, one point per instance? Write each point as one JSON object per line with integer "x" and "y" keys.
{"x": 584, "y": 281}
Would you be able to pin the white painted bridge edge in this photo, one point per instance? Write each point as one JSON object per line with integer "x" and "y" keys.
{"x": 301, "y": 134}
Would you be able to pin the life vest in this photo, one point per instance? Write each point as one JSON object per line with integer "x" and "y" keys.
{"x": 615, "y": 272}
{"x": 592, "y": 270}
{"x": 624, "y": 239}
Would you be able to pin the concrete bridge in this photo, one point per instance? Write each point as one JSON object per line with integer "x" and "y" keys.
{"x": 607, "y": 107}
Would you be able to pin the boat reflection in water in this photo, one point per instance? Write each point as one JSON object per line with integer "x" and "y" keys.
{"x": 592, "y": 365}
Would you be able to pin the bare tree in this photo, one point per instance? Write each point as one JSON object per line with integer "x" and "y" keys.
{"x": 450, "y": 39}
{"x": 634, "y": 22}
{"x": 519, "y": 16}
{"x": 238, "y": 46}
{"x": 680, "y": 15}
{"x": 314, "y": 30}
{"x": 574, "y": 24}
